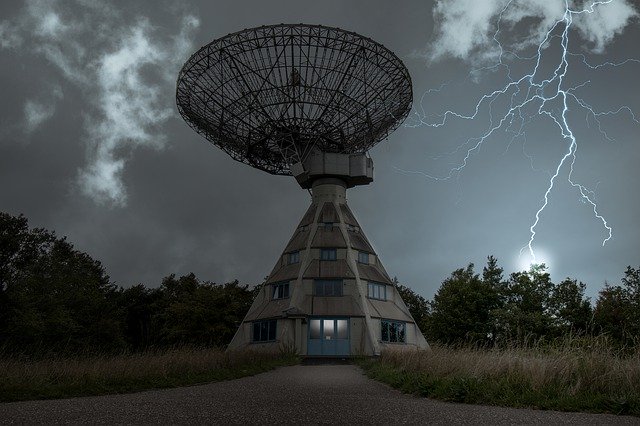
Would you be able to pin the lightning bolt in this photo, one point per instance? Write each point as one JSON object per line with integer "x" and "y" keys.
{"x": 532, "y": 90}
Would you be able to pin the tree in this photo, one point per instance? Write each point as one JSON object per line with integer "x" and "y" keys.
{"x": 631, "y": 283}
{"x": 19, "y": 248}
{"x": 199, "y": 313}
{"x": 570, "y": 310}
{"x": 526, "y": 313}
{"x": 611, "y": 314}
{"x": 463, "y": 306}
{"x": 418, "y": 306}
{"x": 139, "y": 306}
{"x": 54, "y": 296}
{"x": 492, "y": 278}
{"x": 617, "y": 311}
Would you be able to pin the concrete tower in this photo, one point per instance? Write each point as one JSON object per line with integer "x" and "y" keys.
{"x": 328, "y": 294}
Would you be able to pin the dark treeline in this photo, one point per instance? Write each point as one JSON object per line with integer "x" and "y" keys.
{"x": 526, "y": 307}
{"x": 54, "y": 298}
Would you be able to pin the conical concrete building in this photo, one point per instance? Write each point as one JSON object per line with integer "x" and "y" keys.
{"x": 328, "y": 294}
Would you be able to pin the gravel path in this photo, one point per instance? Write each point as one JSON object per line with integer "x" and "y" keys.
{"x": 312, "y": 394}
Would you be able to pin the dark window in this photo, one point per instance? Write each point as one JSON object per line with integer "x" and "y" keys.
{"x": 294, "y": 257}
{"x": 327, "y": 288}
{"x": 328, "y": 226}
{"x": 264, "y": 331}
{"x": 280, "y": 290}
{"x": 342, "y": 328}
{"x": 392, "y": 331}
{"x": 314, "y": 329}
{"x": 377, "y": 291}
{"x": 363, "y": 257}
{"x": 328, "y": 254}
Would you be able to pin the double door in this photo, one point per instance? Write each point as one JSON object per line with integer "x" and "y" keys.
{"x": 328, "y": 337}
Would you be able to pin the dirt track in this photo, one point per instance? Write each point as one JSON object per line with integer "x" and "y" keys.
{"x": 312, "y": 394}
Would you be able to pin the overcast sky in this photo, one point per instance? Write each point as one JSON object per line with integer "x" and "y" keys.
{"x": 91, "y": 144}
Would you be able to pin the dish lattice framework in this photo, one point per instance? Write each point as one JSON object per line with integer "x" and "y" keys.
{"x": 268, "y": 95}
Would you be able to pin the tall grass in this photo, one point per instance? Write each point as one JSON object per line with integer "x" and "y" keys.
{"x": 566, "y": 377}
{"x": 60, "y": 377}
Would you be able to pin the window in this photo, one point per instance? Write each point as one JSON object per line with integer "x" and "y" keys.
{"x": 363, "y": 257}
{"x": 328, "y": 329}
{"x": 280, "y": 290}
{"x": 314, "y": 327}
{"x": 377, "y": 291}
{"x": 392, "y": 331}
{"x": 328, "y": 226}
{"x": 327, "y": 288}
{"x": 264, "y": 331}
{"x": 328, "y": 254}
{"x": 342, "y": 329}
{"x": 294, "y": 257}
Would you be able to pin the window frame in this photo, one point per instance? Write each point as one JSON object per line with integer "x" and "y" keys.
{"x": 352, "y": 228}
{"x": 269, "y": 327}
{"x": 293, "y": 257}
{"x": 337, "y": 287}
{"x": 319, "y": 332}
{"x": 360, "y": 257}
{"x": 331, "y": 254}
{"x": 393, "y": 328}
{"x": 373, "y": 285}
{"x": 280, "y": 285}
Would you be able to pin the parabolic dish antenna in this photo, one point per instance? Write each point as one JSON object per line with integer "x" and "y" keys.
{"x": 268, "y": 96}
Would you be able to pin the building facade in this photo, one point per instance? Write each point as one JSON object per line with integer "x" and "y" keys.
{"x": 328, "y": 294}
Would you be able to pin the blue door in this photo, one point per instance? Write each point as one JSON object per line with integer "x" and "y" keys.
{"x": 328, "y": 337}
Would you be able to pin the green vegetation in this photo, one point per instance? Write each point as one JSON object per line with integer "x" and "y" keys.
{"x": 57, "y": 300}
{"x": 62, "y": 377}
{"x": 489, "y": 310}
{"x": 66, "y": 330}
{"x": 575, "y": 375}
{"x": 523, "y": 341}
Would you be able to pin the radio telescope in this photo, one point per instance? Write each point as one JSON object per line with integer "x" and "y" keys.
{"x": 309, "y": 101}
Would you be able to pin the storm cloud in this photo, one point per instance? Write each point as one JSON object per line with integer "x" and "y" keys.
{"x": 465, "y": 29}
{"x": 91, "y": 144}
{"x": 124, "y": 66}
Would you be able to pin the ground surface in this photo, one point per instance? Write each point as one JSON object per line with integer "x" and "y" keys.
{"x": 302, "y": 394}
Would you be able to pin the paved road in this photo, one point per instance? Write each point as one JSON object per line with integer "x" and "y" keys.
{"x": 311, "y": 394}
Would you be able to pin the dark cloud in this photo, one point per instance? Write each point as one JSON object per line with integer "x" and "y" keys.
{"x": 87, "y": 114}
{"x": 100, "y": 49}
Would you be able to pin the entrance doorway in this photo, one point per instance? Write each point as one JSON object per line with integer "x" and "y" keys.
{"x": 328, "y": 337}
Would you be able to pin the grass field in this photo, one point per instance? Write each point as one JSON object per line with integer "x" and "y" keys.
{"x": 567, "y": 378}
{"x": 94, "y": 375}
{"x": 592, "y": 378}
